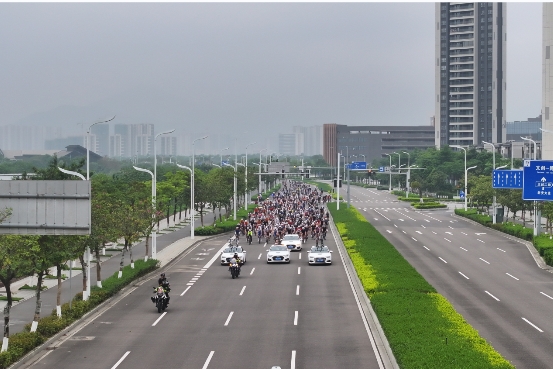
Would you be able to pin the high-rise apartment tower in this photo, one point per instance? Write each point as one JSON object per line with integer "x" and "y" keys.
{"x": 470, "y": 73}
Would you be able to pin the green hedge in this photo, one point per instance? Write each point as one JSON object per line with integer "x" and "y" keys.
{"x": 517, "y": 230}
{"x": 429, "y": 205}
{"x": 23, "y": 342}
{"x": 422, "y": 327}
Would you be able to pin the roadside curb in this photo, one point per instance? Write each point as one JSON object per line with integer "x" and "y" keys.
{"x": 385, "y": 353}
{"x": 52, "y": 343}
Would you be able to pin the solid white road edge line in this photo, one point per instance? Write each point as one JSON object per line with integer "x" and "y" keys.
{"x": 208, "y": 360}
{"x": 187, "y": 288}
{"x": 533, "y": 325}
{"x": 496, "y": 299}
{"x": 228, "y": 319}
{"x": 252, "y": 271}
{"x": 124, "y": 356}
{"x": 293, "y": 361}
{"x": 242, "y": 292}
{"x": 296, "y": 318}
{"x": 217, "y": 254}
{"x": 158, "y": 319}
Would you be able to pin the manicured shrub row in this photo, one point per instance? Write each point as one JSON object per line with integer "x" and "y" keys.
{"x": 23, "y": 342}
{"x": 422, "y": 327}
{"x": 429, "y": 205}
{"x": 227, "y": 225}
{"x": 416, "y": 199}
{"x": 513, "y": 229}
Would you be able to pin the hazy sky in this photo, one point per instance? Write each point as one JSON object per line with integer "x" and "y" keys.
{"x": 232, "y": 67}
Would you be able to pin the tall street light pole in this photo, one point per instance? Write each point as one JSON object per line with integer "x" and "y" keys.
{"x": 154, "y": 234}
{"x": 259, "y": 185}
{"x": 154, "y": 251}
{"x": 465, "y": 150}
{"x": 408, "y": 179}
{"x": 338, "y": 182}
{"x": 234, "y": 198}
{"x": 246, "y": 187}
{"x": 466, "y": 175}
{"x": 494, "y": 216}
{"x": 221, "y": 153}
{"x": 398, "y": 169}
{"x": 192, "y": 207}
{"x": 390, "y": 171}
{"x": 191, "y": 195}
{"x": 537, "y": 221}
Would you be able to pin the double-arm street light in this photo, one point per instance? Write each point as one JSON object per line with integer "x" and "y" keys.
{"x": 154, "y": 234}
{"x": 494, "y": 216}
{"x": 465, "y": 150}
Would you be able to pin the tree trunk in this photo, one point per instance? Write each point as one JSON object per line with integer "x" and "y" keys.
{"x": 122, "y": 258}
{"x": 175, "y": 211}
{"x": 202, "y": 213}
{"x": 130, "y": 254}
{"x": 58, "y": 294}
{"x": 83, "y": 267}
{"x": 147, "y": 245}
{"x": 98, "y": 267}
{"x": 38, "y": 301}
{"x": 7, "y": 308}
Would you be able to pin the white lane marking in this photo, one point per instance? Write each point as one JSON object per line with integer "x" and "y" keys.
{"x": 401, "y": 220}
{"x": 190, "y": 284}
{"x": 419, "y": 232}
{"x": 451, "y": 227}
{"x": 194, "y": 279}
{"x": 242, "y": 292}
{"x": 215, "y": 257}
{"x": 296, "y": 318}
{"x": 427, "y": 220}
{"x": 293, "y": 362}
{"x": 442, "y": 259}
{"x": 484, "y": 261}
{"x": 298, "y": 290}
{"x": 208, "y": 360}
{"x": 299, "y": 270}
{"x": 447, "y": 239}
{"x": 512, "y": 276}
{"x": 464, "y": 275}
{"x": 449, "y": 233}
{"x": 464, "y": 233}
{"x": 388, "y": 231}
{"x": 423, "y": 226}
{"x": 478, "y": 234}
{"x": 300, "y": 255}
{"x": 120, "y": 360}
{"x": 501, "y": 250}
{"x": 158, "y": 319}
{"x": 434, "y": 232}
{"x": 546, "y": 295}
{"x": 259, "y": 257}
{"x": 404, "y": 232}
{"x": 462, "y": 248}
{"x": 228, "y": 319}
{"x": 480, "y": 240}
{"x": 382, "y": 215}
{"x": 426, "y": 248}
{"x": 187, "y": 288}
{"x": 533, "y": 325}
{"x": 414, "y": 239}
{"x": 252, "y": 271}
{"x": 374, "y": 218}
{"x": 395, "y": 225}
{"x": 496, "y": 299}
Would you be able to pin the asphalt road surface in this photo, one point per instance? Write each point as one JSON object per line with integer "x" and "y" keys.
{"x": 290, "y": 315}
{"x": 491, "y": 279}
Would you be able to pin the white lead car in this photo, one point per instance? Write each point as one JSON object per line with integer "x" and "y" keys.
{"x": 278, "y": 254}
{"x": 319, "y": 255}
{"x": 228, "y": 253}
{"x": 292, "y": 242}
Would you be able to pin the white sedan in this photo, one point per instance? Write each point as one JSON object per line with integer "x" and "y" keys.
{"x": 228, "y": 254}
{"x": 319, "y": 255}
{"x": 292, "y": 242}
{"x": 278, "y": 254}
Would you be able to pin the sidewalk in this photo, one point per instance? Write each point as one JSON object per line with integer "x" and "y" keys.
{"x": 172, "y": 240}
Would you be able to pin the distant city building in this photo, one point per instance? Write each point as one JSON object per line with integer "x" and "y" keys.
{"x": 368, "y": 143}
{"x": 167, "y": 145}
{"x": 15, "y": 137}
{"x": 60, "y": 142}
{"x": 470, "y": 73}
{"x": 136, "y": 139}
{"x": 287, "y": 144}
{"x": 528, "y": 128}
{"x": 309, "y": 140}
{"x": 100, "y": 133}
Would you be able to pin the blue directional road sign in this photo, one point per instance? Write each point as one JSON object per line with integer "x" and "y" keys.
{"x": 381, "y": 169}
{"x": 461, "y": 194}
{"x": 537, "y": 183}
{"x": 507, "y": 178}
{"x": 358, "y": 165}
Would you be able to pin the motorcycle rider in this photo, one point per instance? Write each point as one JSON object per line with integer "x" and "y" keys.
{"x": 164, "y": 282}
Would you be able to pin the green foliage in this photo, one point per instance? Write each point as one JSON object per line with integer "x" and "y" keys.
{"x": 429, "y": 205}
{"x": 423, "y": 328}
{"x": 225, "y": 226}
{"x": 514, "y": 229}
{"x": 19, "y": 345}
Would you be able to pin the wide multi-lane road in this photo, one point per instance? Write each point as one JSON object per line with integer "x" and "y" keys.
{"x": 291, "y": 316}
{"x": 492, "y": 279}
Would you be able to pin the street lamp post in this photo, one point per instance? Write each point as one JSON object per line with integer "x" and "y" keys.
{"x": 466, "y": 190}
{"x": 154, "y": 238}
{"x": 537, "y": 219}
{"x": 245, "y": 180}
{"x": 465, "y": 150}
{"x": 408, "y": 179}
{"x": 246, "y": 186}
{"x": 398, "y": 169}
{"x": 234, "y": 198}
{"x": 338, "y": 182}
{"x": 191, "y": 195}
{"x": 494, "y": 216}
{"x": 221, "y": 153}
{"x": 153, "y": 208}
{"x": 390, "y": 171}
{"x": 259, "y": 184}
{"x": 192, "y": 207}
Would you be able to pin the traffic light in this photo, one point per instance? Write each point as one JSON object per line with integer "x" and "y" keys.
{"x": 369, "y": 173}
{"x": 307, "y": 173}
{"x": 340, "y": 183}
{"x": 283, "y": 176}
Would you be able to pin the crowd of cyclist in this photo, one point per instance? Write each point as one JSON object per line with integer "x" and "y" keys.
{"x": 296, "y": 208}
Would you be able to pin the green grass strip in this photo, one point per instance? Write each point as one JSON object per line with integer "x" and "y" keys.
{"x": 422, "y": 327}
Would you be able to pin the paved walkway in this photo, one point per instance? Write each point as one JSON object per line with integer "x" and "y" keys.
{"x": 172, "y": 240}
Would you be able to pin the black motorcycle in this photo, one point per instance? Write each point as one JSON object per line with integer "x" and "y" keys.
{"x": 234, "y": 270}
{"x": 159, "y": 299}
